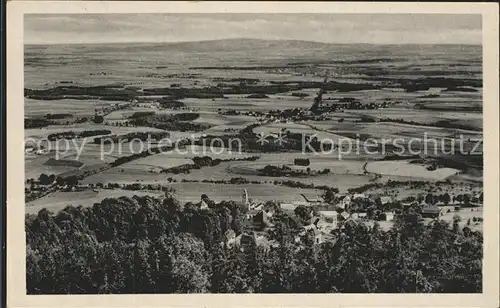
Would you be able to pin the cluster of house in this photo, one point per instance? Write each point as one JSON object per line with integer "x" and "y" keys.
{"x": 321, "y": 224}
{"x": 302, "y": 115}
{"x": 230, "y": 112}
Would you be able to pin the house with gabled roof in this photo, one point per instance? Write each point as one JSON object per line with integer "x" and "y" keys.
{"x": 344, "y": 215}
{"x": 344, "y": 201}
{"x": 203, "y": 204}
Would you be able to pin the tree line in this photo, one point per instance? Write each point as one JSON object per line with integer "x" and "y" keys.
{"x": 284, "y": 170}
{"x": 148, "y": 245}
{"x": 82, "y": 134}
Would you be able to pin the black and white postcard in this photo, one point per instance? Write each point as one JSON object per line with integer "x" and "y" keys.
{"x": 252, "y": 154}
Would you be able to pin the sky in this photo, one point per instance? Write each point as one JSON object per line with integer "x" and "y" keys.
{"x": 327, "y": 28}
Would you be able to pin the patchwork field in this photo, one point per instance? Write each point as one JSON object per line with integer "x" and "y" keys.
{"x": 147, "y": 169}
{"x": 285, "y": 78}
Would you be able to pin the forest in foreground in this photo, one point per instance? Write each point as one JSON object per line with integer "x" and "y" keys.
{"x": 147, "y": 245}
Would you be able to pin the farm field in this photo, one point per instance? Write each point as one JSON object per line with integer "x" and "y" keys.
{"x": 154, "y": 163}
{"x": 35, "y": 167}
{"x": 57, "y": 201}
{"x": 223, "y": 171}
{"x": 191, "y": 192}
{"x": 119, "y": 175}
{"x": 40, "y": 133}
{"x": 402, "y": 191}
{"x": 303, "y": 129}
{"x": 339, "y": 167}
{"x": 228, "y": 170}
{"x": 410, "y": 137}
{"x": 147, "y": 169}
{"x": 184, "y": 192}
{"x": 241, "y": 102}
{"x": 149, "y": 67}
{"x": 87, "y": 154}
{"x": 425, "y": 116}
{"x": 78, "y": 108}
{"x": 464, "y": 214}
{"x": 453, "y": 105}
{"x": 404, "y": 168}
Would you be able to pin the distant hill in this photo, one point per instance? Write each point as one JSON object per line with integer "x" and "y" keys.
{"x": 243, "y": 45}
{"x": 226, "y": 45}
{"x": 241, "y": 51}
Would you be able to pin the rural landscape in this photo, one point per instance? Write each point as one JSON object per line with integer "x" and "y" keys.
{"x": 249, "y": 165}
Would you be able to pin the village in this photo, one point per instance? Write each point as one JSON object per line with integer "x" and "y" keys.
{"x": 323, "y": 220}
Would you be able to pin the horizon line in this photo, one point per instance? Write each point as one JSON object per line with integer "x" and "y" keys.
{"x": 248, "y": 39}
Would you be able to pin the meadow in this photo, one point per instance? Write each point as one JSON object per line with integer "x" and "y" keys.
{"x": 406, "y": 169}
{"x": 59, "y": 200}
{"x": 432, "y": 90}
